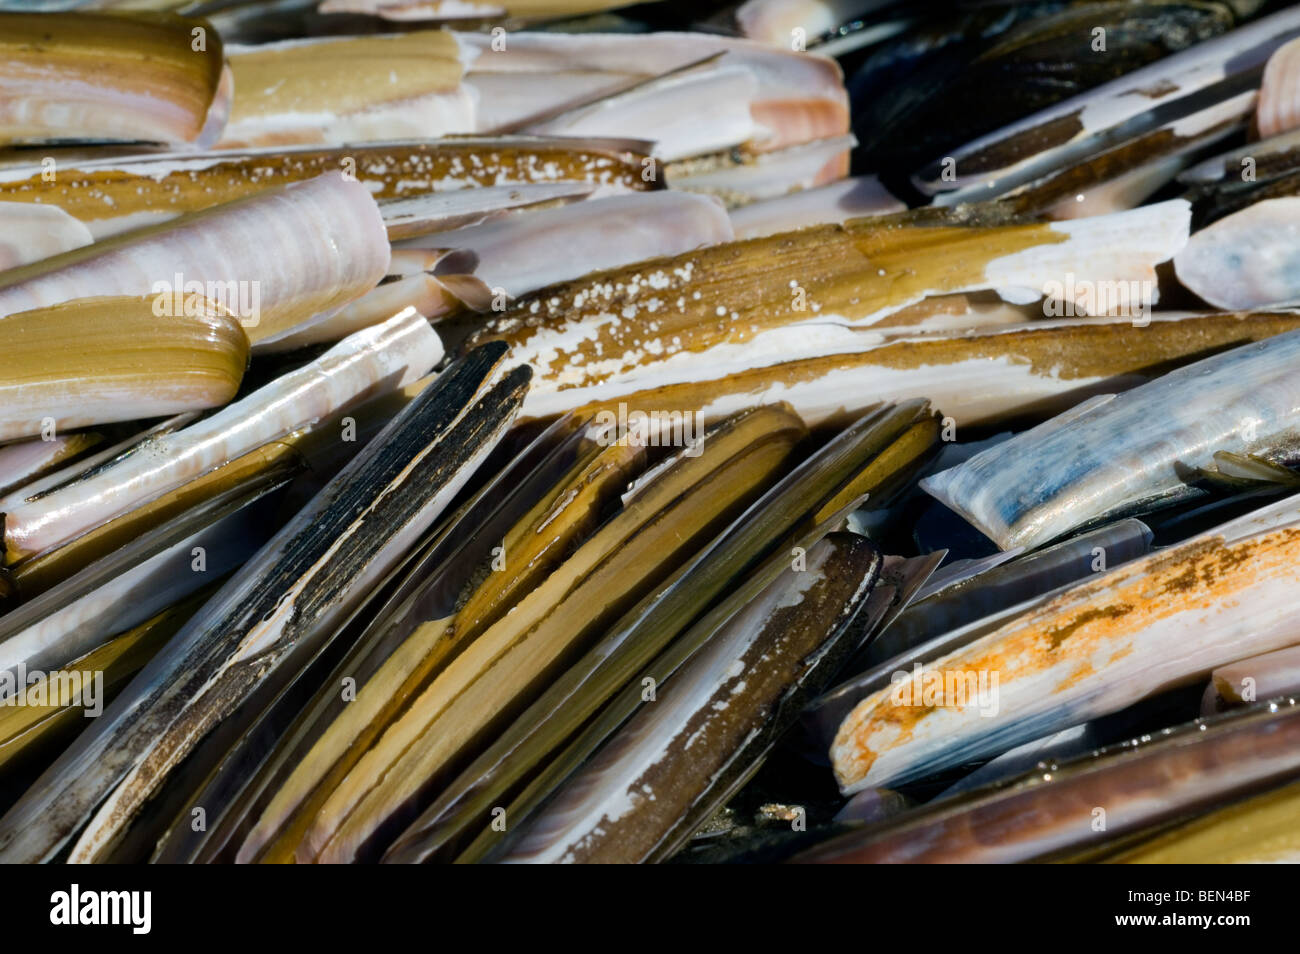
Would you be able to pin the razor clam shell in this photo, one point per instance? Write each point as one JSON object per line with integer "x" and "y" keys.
{"x": 439, "y": 832}
{"x": 1270, "y": 158}
{"x": 421, "y": 215}
{"x": 116, "y": 193}
{"x": 1125, "y": 175}
{"x": 693, "y": 113}
{"x": 1129, "y": 106}
{"x": 838, "y": 202}
{"x": 35, "y": 576}
{"x": 1091, "y": 650}
{"x": 336, "y": 90}
{"x": 135, "y": 582}
{"x": 22, "y": 463}
{"x": 826, "y": 714}
{"x": 797, "y": 97}
{"x": 710, "y": 724}
{"x": 330, "y": 245}
{"x": 1007, "y": 585}
{"x": 513, "y": 661}
{"x": 1259, "y": 677}
{"x": 560, "y": 507}
{"x": 29, "y": 233}
{"x": 738, "y": 177}
{"x": 387, "y": 356}
{"x": 89, "y": 464}
{"x": 523, "y": 252}
{"x": 132, "y": 77}
{"x": 475, "y": 435}
{"x": 420, "y": 292}
{"x": 955, "y": 78}
{"x": 1135, "y": 448}
{"x": 49, "y": 729}
{"x": 253, "y": 634}
{"x": 1277, "y": 112}
{"x": 1259, "y": 830}
{"x": 1243, "y": 260}
{"x": 804, "y": 294}
{"x": 425, "y": 585}
{"x": 1053, "y": 749}
{"x": 1184, "y": 769}
{"x": 829, "y": 372}
{"x": 101, "y": 360}
{"x": 640, "y": 639}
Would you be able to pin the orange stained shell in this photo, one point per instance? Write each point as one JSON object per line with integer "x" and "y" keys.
{"x": 1100, "y": 619}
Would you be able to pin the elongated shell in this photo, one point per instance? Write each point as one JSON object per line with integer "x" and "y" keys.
{"x": 839, "y": 202}
{"x": 24, "y": 462}
{"x": 734, "y": 92}
{"x": 438, "y": 10}
{"x": 112, "y": 195}
{"x": 668, "y": 766}
{"x": 599, "y": 691}
{"x": 334, "y": 90}
{"x": 142, "y": 577}
{"x": 329, "y": 247}
{"x": 829, "y": 373}
{"x": 99, "y": 360}
{"x": 1157, "y": 622}
{"x": 536, "y": 546}
{"x": 269, "y": 618}
{"x": 1113, "y": 453}
{"x": 1133, "y": 104}
{"x": 101, "y": 673}
{"x": 1260, "y": 830}
{"x": 151, "y": 77}
{"x": 1185, "y": 769}
{"x": 508, "y": 665}
{"x": 677, "y": 321}
{"x": 427, "y": 583}
{"x": 1009, "y": 584}
{"x": 521, "y": 253}
{"x": 29, "y": 233}
{"x": 389, "y": 355}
